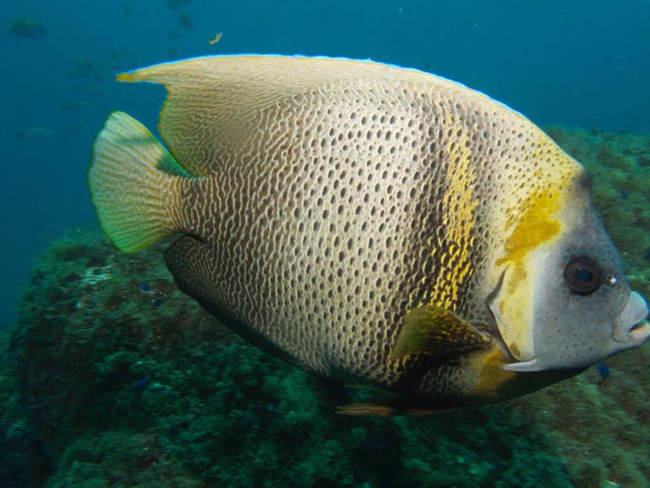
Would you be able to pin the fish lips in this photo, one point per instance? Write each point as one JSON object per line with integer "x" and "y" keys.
{"x": 635, "y": 312}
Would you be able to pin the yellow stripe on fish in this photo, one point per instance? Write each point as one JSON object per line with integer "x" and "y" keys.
{"x": 459, "y": 204}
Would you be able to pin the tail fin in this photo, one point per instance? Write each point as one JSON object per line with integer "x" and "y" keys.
{"x": 135, "y": 184}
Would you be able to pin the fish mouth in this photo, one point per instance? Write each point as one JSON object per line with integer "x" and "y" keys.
{"x": 634, "y": 312}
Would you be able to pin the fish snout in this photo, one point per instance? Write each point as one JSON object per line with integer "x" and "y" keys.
{"x": 631, "y": 327}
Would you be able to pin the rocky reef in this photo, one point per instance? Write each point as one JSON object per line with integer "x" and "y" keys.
{"x": 113, "y": 378}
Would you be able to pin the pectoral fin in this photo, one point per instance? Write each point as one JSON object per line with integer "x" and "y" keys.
{"x": 435, "y": 331}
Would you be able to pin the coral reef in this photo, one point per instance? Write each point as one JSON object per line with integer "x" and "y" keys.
{"x": 113, "y": 378}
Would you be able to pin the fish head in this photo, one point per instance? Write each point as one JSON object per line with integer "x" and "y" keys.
{"x": 562, "y": 301}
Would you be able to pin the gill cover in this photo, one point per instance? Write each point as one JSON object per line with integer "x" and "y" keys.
{"x": 533, "y": 230}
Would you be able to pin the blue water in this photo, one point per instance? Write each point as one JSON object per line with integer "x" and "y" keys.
{"x": 573, "y": 62}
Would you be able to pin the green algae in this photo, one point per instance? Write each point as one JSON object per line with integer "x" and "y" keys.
{"x": 107, "y": 383}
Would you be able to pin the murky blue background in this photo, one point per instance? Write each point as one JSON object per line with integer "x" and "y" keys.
{"x": 574, "y": 62}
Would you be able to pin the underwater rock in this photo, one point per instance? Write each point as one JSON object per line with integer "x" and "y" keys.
{"x": 27, "y": 28}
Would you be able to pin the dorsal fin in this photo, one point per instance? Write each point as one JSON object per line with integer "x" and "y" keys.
{"x": 211, "y": 98}
{"x": 435, "y": 331}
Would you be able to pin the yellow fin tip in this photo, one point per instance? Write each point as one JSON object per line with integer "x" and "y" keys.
{"x": 128, "y": 77}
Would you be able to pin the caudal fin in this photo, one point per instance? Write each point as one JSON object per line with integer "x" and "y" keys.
{"x": 135, "y": 184}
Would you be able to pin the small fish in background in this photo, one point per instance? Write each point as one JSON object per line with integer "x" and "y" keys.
{"x": 97, "y": 69}
{"x": 95, "y": 90}
{"x": 185, "y": 21}
{"x": 215, "y": 39}
{"x": 36, "y": 133}
{"x": 74, "y": 105}
{"x": 174, "y": 34}
{"x": 127, "y": 8}
{"x": 604, "y": 372}
{"x": 82, "y": 68}
{"x": 27, "y": 28}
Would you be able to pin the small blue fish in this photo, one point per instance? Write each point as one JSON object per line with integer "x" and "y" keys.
{"x": 603, "y": 371}
{"x": 141, "y": 384}
{"x": 157, "y": 302}
{"x": 144, "y": 287}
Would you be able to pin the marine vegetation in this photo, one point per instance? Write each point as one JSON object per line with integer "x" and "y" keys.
{"x": 113, "y": 378}
{"x": 27, "y": 28}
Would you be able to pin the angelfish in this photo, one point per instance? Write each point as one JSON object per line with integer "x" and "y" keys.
{"x": 376, "y": 225}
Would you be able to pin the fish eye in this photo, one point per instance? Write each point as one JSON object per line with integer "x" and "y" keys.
{"x": 582, "y": 275}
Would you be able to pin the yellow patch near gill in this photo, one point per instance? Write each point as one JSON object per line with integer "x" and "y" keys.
{"x": 534, "y": 227}
{"x": 531, "y": 224}
{"x": 458, "y": 205}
